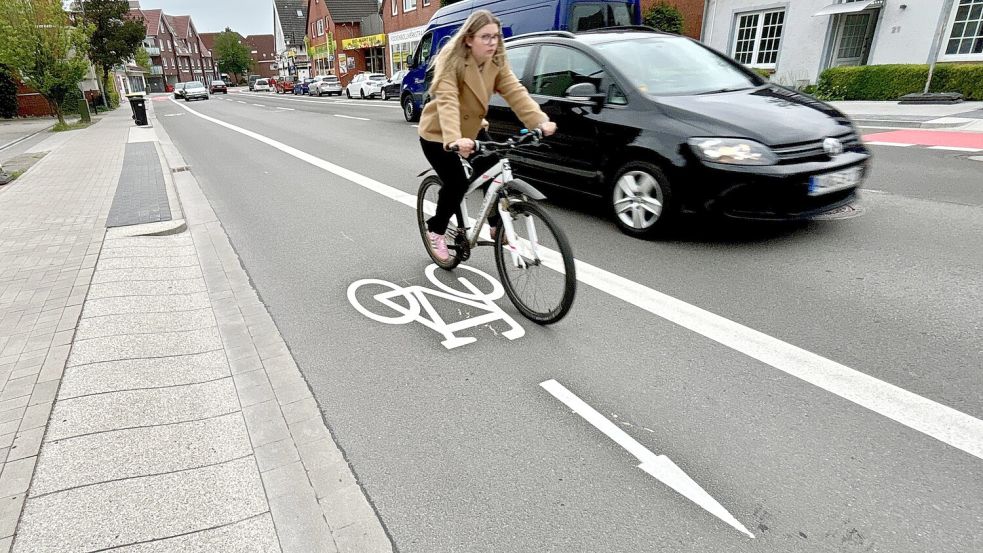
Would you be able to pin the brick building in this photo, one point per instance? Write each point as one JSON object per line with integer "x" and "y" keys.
{"x": 345, "y": 37}
{"x": 176, "y": 51}
{"x": 692, "y": 11}
{"x": 262, "y": 49}
{"x": 404, "y": 22}
{"x": 289, "y": 37}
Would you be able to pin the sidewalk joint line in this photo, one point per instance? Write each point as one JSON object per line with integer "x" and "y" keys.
{"x": 153, "y": 333}
{"x": 97, "y": 432}
{"x": 146, "y": 313}
{"x": 144, "y": 279}
{"x": 152, "y": 357}
{"x": 185, "y": 533}
{"x": 151, "y": 475}
{"x": 148, "y": 388}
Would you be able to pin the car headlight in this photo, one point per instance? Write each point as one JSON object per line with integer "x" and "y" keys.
{"x": 735, "y": 151}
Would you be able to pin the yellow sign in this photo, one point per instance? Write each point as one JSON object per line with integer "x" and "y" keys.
{"x": 363, "y": 42}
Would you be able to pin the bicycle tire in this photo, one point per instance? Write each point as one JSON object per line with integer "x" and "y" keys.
{"x": 558, "y": 242}
{"x": 454, "y": 260}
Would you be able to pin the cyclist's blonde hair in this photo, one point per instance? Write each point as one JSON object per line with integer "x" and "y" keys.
{"x": 453, "y": 55}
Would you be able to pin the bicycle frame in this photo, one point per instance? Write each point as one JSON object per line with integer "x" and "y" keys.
{"x": 497, "y": 178}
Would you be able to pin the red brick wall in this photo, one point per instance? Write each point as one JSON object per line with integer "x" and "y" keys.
{"x": 31, "y": 104}
{"x": 414, "y": 18}
{"x": 692, "y": 11}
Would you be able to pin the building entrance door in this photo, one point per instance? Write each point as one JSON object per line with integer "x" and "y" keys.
{"x": 854, "y": 36}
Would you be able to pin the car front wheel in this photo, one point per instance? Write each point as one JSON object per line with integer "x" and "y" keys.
{"x": 383, "y": 95}
{"x": 348, "y": 92}
{"x": 641, "y": 200}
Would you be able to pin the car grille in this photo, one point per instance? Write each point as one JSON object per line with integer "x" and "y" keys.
{"x": 813, "y": 151}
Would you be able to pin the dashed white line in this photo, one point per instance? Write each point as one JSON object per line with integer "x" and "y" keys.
{"x": 240, "y": 101}
{"x": 955, "y": 148}
{"x": 941, "y": 422}
{"x": 285, "y": 109}
{"x": 259, "y": 105}
{"x": 659, "y": 466}
{"x": 351, "y": 117}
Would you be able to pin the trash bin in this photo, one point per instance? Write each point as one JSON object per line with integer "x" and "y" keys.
{"x": 139, "y": 106}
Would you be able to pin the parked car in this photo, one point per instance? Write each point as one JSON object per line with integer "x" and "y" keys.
{"x": 518, "y": 17}
{"x": 179, "y": 90}
{"x": 261, "y": 85}
{"x": 366, "y": 85}
{"x": 194, "y": 90}
{"x": 392, "y": 86}
{"x": 659, "y": 124}
{"x": 302, "y": 87}
{"x": 324, "y": 84}
{"x": 218, "y": 86}
{"x": 252, "y": 81}
{"x": 285, "y": 85}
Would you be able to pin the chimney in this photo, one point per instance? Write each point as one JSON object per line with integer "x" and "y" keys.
{"x": 134, "y": 4}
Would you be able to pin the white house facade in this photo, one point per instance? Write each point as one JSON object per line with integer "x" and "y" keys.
{"x": 798, "y": 39}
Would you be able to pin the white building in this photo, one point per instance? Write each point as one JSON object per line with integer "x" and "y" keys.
{"x": 798, "y": 39}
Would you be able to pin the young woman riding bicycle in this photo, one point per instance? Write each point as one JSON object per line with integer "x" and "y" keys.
{"x": 468, "y": 70}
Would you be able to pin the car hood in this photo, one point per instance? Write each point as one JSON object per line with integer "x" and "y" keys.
{"x": 771, "y": 115}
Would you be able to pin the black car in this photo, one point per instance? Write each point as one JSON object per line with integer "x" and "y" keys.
{"x": 659, "y": 124}
{"x": 392, "y": 86}
{"x": 218, "y": 86}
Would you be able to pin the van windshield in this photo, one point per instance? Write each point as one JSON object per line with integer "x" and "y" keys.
{"x": 593, "y": 15}
{"x": 672, "y": 66}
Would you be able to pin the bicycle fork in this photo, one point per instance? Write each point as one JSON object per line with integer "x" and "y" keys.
{"x": 514, "y": 244}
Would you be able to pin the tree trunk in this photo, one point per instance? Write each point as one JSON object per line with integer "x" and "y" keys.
{"x": 105, "y": 88}
{"x": 57, "y": 109}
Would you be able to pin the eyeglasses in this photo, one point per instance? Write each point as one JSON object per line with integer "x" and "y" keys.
{"x": 489, "y": 39}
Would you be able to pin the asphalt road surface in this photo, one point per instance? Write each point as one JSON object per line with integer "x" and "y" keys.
{"x": 821, "y": 381}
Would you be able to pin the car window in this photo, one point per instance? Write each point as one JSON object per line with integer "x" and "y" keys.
{"x": 423, "y": 52}
{"x": 517, "y": 59}
{"x": 667, "y": 65}
{"x": 558, "y": 68}
{"x": 377, "y": 77}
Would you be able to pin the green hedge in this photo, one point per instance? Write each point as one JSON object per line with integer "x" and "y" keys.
{"x": 890, "y": 82}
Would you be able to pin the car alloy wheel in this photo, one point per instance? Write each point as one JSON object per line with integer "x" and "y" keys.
{"x": 409, "y": 111}
{"x": 641, "y": 199}
{"x": 384, "y": 95}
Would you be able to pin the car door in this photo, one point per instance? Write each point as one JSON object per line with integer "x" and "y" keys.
{"x": 573, "y": 156}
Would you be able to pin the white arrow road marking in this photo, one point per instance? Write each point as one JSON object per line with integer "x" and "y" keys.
{"x": 350, "y": 117}
{"x": 921, "y": 414}
{"x": 659, "y": 466}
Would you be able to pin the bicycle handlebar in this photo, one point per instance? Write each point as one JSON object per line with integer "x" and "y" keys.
{"x": 530, "y": 136}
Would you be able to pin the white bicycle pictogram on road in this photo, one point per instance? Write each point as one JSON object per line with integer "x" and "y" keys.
{"x": 417, "y": 303}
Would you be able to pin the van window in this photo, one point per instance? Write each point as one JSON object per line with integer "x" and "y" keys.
{"x": 588, "y": 15}
{"x": 518, "y": 58}
{"x": 558, "y": 68}
{"x": 423, "y": 51}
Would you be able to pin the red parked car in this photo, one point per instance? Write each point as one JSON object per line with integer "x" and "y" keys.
{"x": 218, "y": 86}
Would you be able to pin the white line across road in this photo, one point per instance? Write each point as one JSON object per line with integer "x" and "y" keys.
{"x": 954, "y": 148}
{"x": 933, "y": 419}
{"x": 337, "y": 102}
{"x": 351, "y": 117}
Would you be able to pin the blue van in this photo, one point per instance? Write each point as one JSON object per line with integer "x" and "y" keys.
{"x": 518, "y": 17}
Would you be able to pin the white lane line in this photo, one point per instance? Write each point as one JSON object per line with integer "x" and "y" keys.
{"x": 955, "y": 148}
{"x": 240, "y": 101}
{"x": 898, "y": 144}
{"x": 916, "y": 412}
{"x": 285, "y": 109}
{"x": 350, "y": 117}
{"x": 259, "y": 105}
{"x": 367, "y": 103}
{"x": 659, "y": 466}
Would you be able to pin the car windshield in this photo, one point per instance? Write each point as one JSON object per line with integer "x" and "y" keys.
{"x": 195, "y": 84}
{"x": 377, "y": 77}
{"x": 331, "y": 79}
{"x": 673, "y": 66}
{"x": 261, "y": 81}
{"x": 218, "y": 82}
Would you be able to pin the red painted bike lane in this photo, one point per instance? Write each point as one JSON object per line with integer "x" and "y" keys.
{"x": 929, "y": 138}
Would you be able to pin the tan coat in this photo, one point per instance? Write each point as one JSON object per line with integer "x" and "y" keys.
{"x": 458, "y": 107}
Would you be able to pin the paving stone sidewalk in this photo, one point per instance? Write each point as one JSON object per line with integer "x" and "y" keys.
{"x": 178, "y": 418}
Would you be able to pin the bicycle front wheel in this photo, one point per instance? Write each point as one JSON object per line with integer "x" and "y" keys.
{"x": 426, "y": 205}
{"x": 537, "y": 271}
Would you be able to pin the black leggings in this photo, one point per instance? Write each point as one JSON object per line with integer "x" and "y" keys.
{"x": 448, "y": 167}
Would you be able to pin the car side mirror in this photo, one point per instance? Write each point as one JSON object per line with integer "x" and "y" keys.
{"x": 586, "y": 94}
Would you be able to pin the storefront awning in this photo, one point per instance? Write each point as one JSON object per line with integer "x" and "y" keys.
{"x": 363, "y": 42}
{"x": 849, "y": 7}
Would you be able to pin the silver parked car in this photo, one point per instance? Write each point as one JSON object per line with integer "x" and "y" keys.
{"x": 324, "y": 84}
{"x": 195, "y": 91}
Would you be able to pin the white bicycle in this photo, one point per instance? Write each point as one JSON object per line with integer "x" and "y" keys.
{"x": 533, "y": 257}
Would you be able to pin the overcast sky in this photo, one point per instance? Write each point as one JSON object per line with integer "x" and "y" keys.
{"x": 247, "y": 17}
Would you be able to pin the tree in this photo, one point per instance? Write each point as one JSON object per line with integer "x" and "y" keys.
{"x": 115, "y": 39}
{"x": 142, "y": 59}
{"x": 665, "y": 17}
{"x": 42, "y": 49}
{"x": 233, "y": 57}
{"x": 8, "y": 94}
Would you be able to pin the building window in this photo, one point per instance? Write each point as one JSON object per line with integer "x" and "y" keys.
{"x": 758, "y": 38}
{"x": 320, "y": 27}
{"x": 409, "y": 5}
{"x": 426, "y": 2}
{"x": 395, "y": 7}
{"x": 967, "y": 29}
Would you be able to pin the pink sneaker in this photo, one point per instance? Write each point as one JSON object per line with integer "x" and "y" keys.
{"x": 439, "y": 246}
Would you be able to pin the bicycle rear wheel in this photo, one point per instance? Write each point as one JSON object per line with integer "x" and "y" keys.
{"x": 426, "y": 203}
{"x": 542, "y": 288}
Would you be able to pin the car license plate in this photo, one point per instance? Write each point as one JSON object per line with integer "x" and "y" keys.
{"x": 831, "y": 182}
